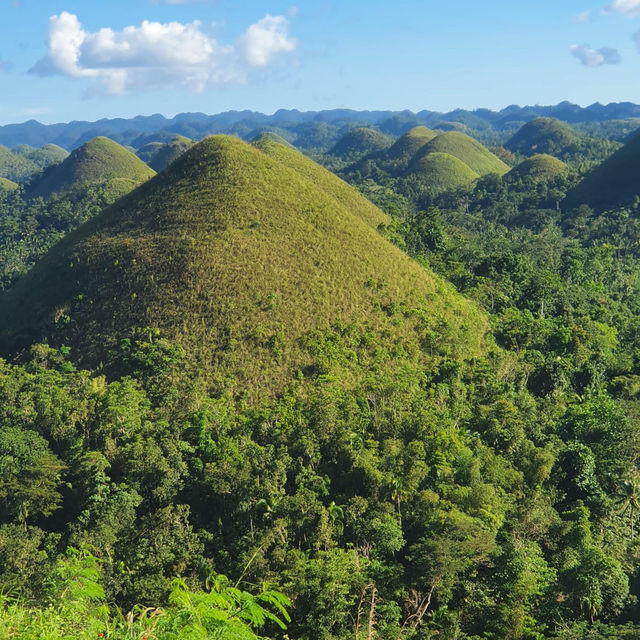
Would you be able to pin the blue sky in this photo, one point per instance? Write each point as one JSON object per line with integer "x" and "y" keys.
{"x": 86, "y": 59}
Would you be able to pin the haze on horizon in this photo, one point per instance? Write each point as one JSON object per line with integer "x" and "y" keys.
{"x": 69, "y": 60}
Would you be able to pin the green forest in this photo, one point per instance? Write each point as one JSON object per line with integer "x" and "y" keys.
{"x": 390, "y": 391}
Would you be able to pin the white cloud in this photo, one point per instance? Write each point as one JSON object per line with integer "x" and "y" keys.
{"x": 625, "y": 7}
{"x": 595, "y": 57}
{"x": 158, "y": 56}
{"x": 585, "y": 16}
{"x": 266, "y": 38}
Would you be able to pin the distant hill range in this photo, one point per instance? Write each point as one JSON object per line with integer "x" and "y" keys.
{"x": 321, "y": 130}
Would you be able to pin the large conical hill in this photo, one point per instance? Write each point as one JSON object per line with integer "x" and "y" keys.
{"x": 544, "y": 135}
{"x": 244, "y": 259}
{"x": 100, "y": 162}
{"x": 476, "y": 156}
{"x": 614, "y": 183}
{"x": 541, "y": 167}
{"x": 441, "y": 171}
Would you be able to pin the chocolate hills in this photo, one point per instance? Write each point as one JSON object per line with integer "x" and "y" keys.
{"x": 15, "y": 167}
{"x": 469, "y": 151}
{"x": 169, "y": 151}
{"x": 539, "y": 167}
{"x": 457, "y": 160}
{"x": 543, "y": 135}
{"x": 553, "y": 137}
{"x": 442, "y": 171}
{"x": 48, "y": 155}
{"x": 240, "y": 254}
{"x": 100, "y": 162}
{"x": 399, "y": 155}
{"x": 360, "y": 142}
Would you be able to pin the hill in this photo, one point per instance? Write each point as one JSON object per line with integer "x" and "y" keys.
{"x": 614, "y": 183}
{"x": 100, "y": 162}
{"x": 399, "y": 155}
{"x": 539, "y": 167}
{"x": 469, "y": 151}
{"x": 240, "y": 254}
{"x": 48, "y": 155}
{"x": 559, "y": 139}
{"x": 360, "y": 142}
{"x": 392, "y": 161}
{"x": 441, "y": 171}
{"x": 543, "y": 135}
{"x": 147, "y": 151}
{"x": 15, "y": 167}
{"x": 168, "y": 152}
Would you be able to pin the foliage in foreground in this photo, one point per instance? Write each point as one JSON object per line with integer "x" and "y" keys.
{"x": 77, "y": 609}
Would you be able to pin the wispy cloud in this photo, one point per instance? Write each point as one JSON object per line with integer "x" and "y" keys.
{"x": 595, "y": 57}
{"x": 159, "y": 56}
{"x": 585, "y": 16}
{"x": 624, "y": 7}
{"x": 5, "y": 66}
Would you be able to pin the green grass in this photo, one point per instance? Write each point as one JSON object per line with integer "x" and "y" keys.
{"x": 346, "y": 195}
{"x": 360, "y": 142}
{"x": 540, "y": 167}
{"x": 614, "y": 183}
{"x": 442, "y": 171}
{"x": 239, "y": 254}
{"x": 8, "y": 185}
{"x": 98, "y": 162}
{"x": 469, "y": 151}
{"x": 169, "y": 152}
{"x": 407, "y": 145}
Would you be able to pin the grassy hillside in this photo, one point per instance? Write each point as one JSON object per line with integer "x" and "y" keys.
{"x": 539, "y": 167}
{"x": 406, "y": 146}
{"x": 543, "y": 135}
{"x": 168, "y": 152}
{"x": 346, "y": 195}
{"x": 442, "y": 171}
{"x": 48, "y": 155}
{"x": 360, "y": 142}
{"x": 614, "y": 183}
{"x": 556, "y": 138}
{"x": 8, "y": 185}
{"x": 239, "y": 254}
{"x": 469, "y": 151}
{"x": 99, "y": 162}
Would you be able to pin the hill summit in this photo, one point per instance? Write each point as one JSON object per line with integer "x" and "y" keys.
{"x": 241, "y": 255}
{"x": 100, "y": 162}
